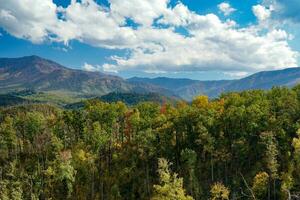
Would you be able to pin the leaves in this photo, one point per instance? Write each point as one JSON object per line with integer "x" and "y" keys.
{"x": 219, "y": 192}
{"x": 170, "y": 187}
{"x": 110, "y": 151}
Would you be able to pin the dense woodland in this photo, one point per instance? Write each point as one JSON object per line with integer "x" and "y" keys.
{"x": 240, "y": 146}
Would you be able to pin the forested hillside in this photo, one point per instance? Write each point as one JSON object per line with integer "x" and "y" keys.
{"x": 240, "y": 146}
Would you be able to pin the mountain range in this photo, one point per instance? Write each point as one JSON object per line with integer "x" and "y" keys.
{"x": 187, "y": 88}
{"x": 46, "y": 76}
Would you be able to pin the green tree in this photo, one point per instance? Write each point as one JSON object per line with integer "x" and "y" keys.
{"x": 189, "y": 158}
{"x": 270, "y": 157}
{"x": 170, "y": 187}
{"x": 8, "y": 139}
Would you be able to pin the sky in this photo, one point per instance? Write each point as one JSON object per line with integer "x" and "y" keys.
{"x": 197, "y": 39}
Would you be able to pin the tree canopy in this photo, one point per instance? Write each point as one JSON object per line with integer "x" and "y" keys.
{"x": 242, "y": 145}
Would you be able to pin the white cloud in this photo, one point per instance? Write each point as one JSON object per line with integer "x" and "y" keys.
{"x": 141, "y": 11}
{"x": 225, "y": 50}
{"x": 28, "y": 19}
{"x": 237, "y": 74}
{"x": 226, "y": 8}
{"x": 91, "y": 68}
{"x": 261, "y": 12}
{"x": 207, "y": 44}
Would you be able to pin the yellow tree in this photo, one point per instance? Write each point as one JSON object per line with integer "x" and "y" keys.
{"x": 170, "y": 187}
{"x": 260, "y": 185}
{"x": 219, "y": 192}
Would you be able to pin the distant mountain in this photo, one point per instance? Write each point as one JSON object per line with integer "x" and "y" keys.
{"x": 267, "y": 79}
{"x": 187, "y": 88}
{"x": 51, "y": 80}
{"x": 39, "y": 74}
{"x": 168, "y": 83}
{"x": 42, "y": 75}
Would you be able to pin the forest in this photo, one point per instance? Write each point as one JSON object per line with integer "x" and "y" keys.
{"x": 241, "y": 145}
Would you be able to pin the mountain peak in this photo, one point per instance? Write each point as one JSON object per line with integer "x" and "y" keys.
{"x": 33, "y": 57}
{"x": 34, "y": 72}
{"x": 30, "y": 57}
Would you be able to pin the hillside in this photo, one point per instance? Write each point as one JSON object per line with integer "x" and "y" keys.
{"x": 267, "y": 79}
{"x": 54, "y": 81}
{"x": 129, "y": 99}
{"x": 12, "y": 100}
{"x": 36, "y": 73}
{"x": 187, "y": 88}
{"x": 135, "y": 98}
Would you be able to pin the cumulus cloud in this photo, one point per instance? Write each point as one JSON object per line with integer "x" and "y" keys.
{"x": 261, "y": 12}
{"x": 154, "y": 45}
{"x": 141, "y": 11}
{"x": 237, "y": 74}
{"x": 28, "y": 19}
{"x": 91, "y": 68}
{"x": 226, "y": 8}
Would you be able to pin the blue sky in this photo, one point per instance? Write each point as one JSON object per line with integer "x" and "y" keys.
{"x": 198, "y": 39}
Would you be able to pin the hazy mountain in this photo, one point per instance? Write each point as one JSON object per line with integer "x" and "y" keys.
{"x": 187, "y": 89}
{"x": 267, "y": 79}
{"x": 42, "y": 75}
{"x": 168, "y": 83}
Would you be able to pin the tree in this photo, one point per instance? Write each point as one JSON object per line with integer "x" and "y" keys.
{"x": 170, "y": 187}
{"x": 11, "y": 186}
{"x": 219, "y": 192}
{"x": 296, "y": 146}
{"x": 33, "y": 124}
{"x": 260, "y": 185}
{"x": 8, "y": 139}
{"x": 270, "y": 157}
{"x": 189, "y": 158}
{"x": 200, "y": 101}
{"x": 4, "y": 192}
{"x": 65, "y": 173}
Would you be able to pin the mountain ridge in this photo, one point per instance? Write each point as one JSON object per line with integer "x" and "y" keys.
{"x": 36, "y": 73}
{"x": 213, "y": 88}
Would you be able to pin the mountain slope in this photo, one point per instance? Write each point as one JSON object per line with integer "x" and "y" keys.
{"x": 12, "y": 100}
{"x": 36, "y": 73}
{"x": 267, "y": 79}
{"x": 129, "y": 99}
{"x": 53, "y": 79}
{"x": 187, "y": 89}
{"x": 168, "y": 83}
{"x": 54, "y": 83}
